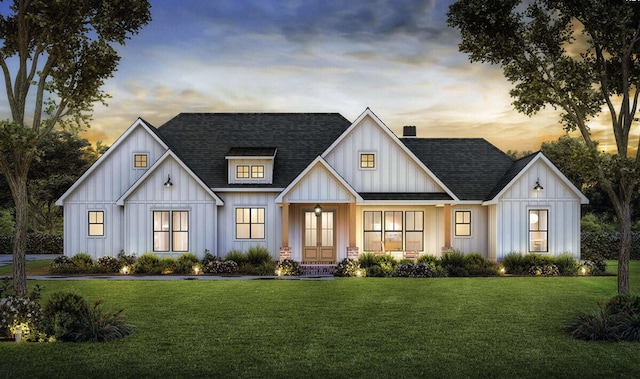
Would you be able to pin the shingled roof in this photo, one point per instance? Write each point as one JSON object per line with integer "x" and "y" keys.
{"x": 470, "y": 167}
{"x": 203, "y": 140}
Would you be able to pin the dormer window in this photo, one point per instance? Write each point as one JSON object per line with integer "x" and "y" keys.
{"x": 251, "y": 165}
{"x": 367, "y": 161}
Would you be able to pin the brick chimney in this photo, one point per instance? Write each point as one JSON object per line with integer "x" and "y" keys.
{"x": 409, "y": 131}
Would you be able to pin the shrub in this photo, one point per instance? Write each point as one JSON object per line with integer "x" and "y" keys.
{"x": 349, "y": 268}
{"x": 410, "y": 270}
{"x": 434, "y": 263}
{"x": 257, "y": 255}
{"x": 367, "y": 260}
{"x": 62, "y": 265}
{"x": 62, "y": 313}
{"x": 375, "y": 271}
{"x": 67, "y": 317}
{"x": 98, "y": 326}
{"x": 387, "y": 262}
{"x": 148, "y": 263}
{"x": 83, "y": 262}
{"x": 108, "y": 264}
{"x": 288, "y": 267}
{"x": 247, "y": 268}
{"x": 544, "y": 270}
{"x": 126, "y": 260}
{"x": 514, "y": 264}
{"x": 594, "y": 266}
{"x": 477, "y": 265}
{"x": 534, "y": 259}
{"x": 17, "y": 311}
{"x": 236, "y": 256}
{"x": 186, "y": 262}
{"x": 453, "y": 264}
{"x": 617, "y": 320}
{"x": 167, "y": 265}
{"x": 215, "y": 265}
{"x": 266, "y": 268}
{"x": 567, "y": 265}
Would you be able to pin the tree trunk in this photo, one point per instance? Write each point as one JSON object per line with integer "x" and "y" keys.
{"x": 624, "y": 214}
{"x": 21, "y": 201}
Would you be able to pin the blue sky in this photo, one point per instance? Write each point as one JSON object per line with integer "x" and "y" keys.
{"x": 397, "y": 57}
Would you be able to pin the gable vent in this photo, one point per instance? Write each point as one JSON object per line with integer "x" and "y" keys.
{"x": 409, "y": 131}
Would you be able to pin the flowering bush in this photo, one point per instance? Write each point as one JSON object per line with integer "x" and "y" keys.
{"x": 215, "y": 265}
{"x": 349, "y": 268}
{"x": 288, "y": 267}
{"x": 409, "y": 270}
{"x": 544, "y": 270}
{"x": 108, "y": 264}
{"x": 594, "y": 266}
{"x": 19, "y": 312}
{"x": 62, "y": 265}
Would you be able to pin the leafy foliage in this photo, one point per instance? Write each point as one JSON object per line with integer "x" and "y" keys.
{"x": 185, "y": 263}
{"x": 617, "y": 320}
{"x": 257, "y": 255}
{"x": 288, "y": 267}
{"x": 107, "y": 264}
{"x": 17, "y": 311}
{"x": 349, "y": 268}
{"x": 147, "y": 263}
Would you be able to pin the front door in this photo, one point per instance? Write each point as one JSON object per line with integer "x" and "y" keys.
{"x": 319, "y": 237}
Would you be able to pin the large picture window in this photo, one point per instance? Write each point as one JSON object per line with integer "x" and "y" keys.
{"x": 463, "y": 223}
{"x": 372, "y": 228}
{"x": 171, "y": 231}
{"x": 414, "y": 223}
{"x": 538, "y": 230}
{"x": 250, "y": 223}
{"x": 393, "y": 230}
{"x": 96, "y": 223}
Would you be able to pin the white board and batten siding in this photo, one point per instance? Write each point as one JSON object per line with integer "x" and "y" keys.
{"x": 509, "y": 218}
{"x": 395, "y": 170}
{"x": 186, "y": 194}
{"x": 226, "y": 230}
{"x": 100, "y": 187}
{"x": 477, "y": 242}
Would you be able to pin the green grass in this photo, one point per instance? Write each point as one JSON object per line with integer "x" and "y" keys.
{"x": 346, "y": 328}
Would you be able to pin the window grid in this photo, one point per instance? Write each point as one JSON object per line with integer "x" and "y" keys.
{"x": 372, "y": 228}
{"x": 414, "y": 224}
{"x": 96, "y": 223}
{"x": 463, "y": 223}
{"x": 257, "y": 172}
{"x": 539, "y": 230}
{"x": 242, "y": 172}
{"x": 250, "y": 223}
{"x": 367, "y": 160}
{"x": 171, "y": 231}
{"x": 140, "y": 160}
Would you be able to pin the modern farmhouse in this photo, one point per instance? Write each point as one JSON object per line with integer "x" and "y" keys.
{"x": 315, "y": 187}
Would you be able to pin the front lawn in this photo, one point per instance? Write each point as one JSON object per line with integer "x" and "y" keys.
{"x": 345, "y": 328}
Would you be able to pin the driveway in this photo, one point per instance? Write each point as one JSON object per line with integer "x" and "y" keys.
{"x": 7, "y": 259}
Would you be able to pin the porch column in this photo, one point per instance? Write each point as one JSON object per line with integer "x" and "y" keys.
{"x": 285, "y": 249}
{"x": 447, "y": 227}
{"x": 352, "y": 250}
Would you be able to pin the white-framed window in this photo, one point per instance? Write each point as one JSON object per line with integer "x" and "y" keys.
{"x": 367, "y": 161}
{"x": 140, "y": 160}
{"x": 538, "y": 230}
{"x": 414, "y": 225}
{"x": 171, "y": 231}
{"x": 96, "y": 223}
{"x": 462, "y": 223}
{"x": 242, "y": 171}
{"x": 257, "y": 171}
{"x": 250, "y": 223}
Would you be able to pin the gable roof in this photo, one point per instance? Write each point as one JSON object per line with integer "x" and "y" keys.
{"x": 470, "y": 167}
{"x": 139, "y": 123}
{"x": 521, "y": 166}
{"x": 202, "y": 141}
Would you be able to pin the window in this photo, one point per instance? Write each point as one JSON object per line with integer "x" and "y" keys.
{"x": 170, "y": 231}
{"x": 372, "y": 228}
{"x": 367, "y": 160}
{"x": 257, "y": 172}
{"x": 250, "y": 223}
{"x": 140, "y": 160}
{"x": 242, "y": 172}
{"x": 393, "y": 230}
{"x": 414, "y": 223}
{"x": 538, "y": 230}
{"x": 96, "y": 223}
{"x": 463, "y": 223}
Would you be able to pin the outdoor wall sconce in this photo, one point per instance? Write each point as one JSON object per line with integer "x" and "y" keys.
{"x": 318, "y": 210}
{"x": 538, "y": 187}
{"x": 168, "y": 183}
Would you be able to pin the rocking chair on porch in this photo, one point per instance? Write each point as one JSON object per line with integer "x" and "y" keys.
{"x": 412, "y": 250}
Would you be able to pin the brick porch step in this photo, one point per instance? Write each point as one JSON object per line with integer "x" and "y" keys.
{"x": 318, "y": 268}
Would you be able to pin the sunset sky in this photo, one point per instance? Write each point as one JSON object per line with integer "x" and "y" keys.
{"x": 397, "y": 57}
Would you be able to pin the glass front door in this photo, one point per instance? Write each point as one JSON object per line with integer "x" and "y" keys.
{"x": 319, "y": 237}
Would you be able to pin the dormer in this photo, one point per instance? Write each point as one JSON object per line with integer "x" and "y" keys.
{"x": 251, "y": 165}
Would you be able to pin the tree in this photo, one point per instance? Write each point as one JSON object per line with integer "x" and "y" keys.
{"x": 62, "y": 52}
{"x": 579, "y": 57}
